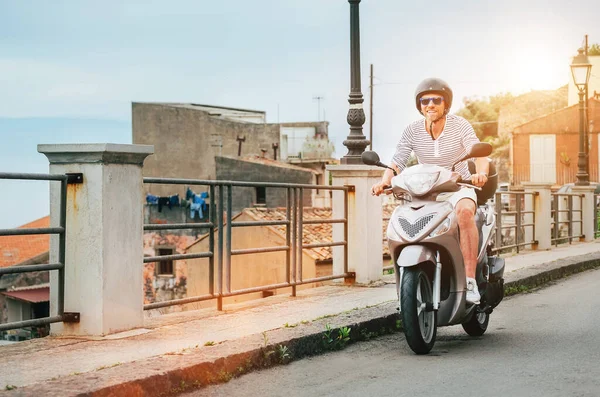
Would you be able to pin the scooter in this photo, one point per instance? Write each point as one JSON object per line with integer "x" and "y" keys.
{"x": 424, "y": 244}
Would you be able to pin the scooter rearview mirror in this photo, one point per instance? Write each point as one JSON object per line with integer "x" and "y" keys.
{"x": 480, "y": 149}
{"x": 369, "y": 157}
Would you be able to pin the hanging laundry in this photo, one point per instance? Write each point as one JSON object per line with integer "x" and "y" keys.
{"x": 174, "y": 201}
{"x": 163, "y": 201}
{"x": 189, "y": 194}
{"x": 197, "y": 204}
{"x": 151, "y": 199}
{"x": 204, "y": 195}
{"x": 196, "y": 207}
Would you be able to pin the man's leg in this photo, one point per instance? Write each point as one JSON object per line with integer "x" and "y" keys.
{"x": 469, "y": 241}
{"x": 469, "y": 237}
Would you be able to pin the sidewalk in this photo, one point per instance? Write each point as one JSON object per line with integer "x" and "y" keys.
{"x": 177, "y": 351}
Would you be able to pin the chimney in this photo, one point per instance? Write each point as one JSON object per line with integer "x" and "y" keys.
{"x": 264, "y": 151}
{"x": 240, "y": 139}
{"x": 275, "y": 146}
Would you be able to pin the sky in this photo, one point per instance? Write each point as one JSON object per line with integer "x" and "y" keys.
{"x": 70, "y": 69}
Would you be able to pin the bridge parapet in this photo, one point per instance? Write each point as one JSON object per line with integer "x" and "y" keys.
{"x": 541, "y": 204}
{"x": 588, "y": 210}
{"x": 104, "y": 239}
{"x": 364, "y": 216}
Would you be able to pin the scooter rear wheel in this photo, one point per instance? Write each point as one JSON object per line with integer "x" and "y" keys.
{"x": 478, "y": 323}
{"x": 419, "y": 320}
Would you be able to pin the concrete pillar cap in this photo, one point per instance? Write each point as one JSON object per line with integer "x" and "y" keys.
{"x": 102, "y": 153}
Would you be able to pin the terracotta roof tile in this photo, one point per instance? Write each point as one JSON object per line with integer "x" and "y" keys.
{"x": 317, "y": 233}
{"x": 34, "y": 295}
{"x": 17, "y": 249}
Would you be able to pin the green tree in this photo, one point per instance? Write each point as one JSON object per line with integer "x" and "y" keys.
{"x": 594, "y": 49}
{"x": 483, "y": 113}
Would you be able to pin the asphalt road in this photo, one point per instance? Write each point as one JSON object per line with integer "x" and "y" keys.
{"x": 543, "y": 343}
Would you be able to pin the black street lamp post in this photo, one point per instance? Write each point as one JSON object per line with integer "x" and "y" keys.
{"x": 356, "y": 141}
{"x": 580, "y": 68}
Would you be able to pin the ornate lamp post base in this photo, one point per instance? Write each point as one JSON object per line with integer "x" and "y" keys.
{"x": 356, "y": 141}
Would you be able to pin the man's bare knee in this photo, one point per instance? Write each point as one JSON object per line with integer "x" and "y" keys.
{"x": 465, "y": 211}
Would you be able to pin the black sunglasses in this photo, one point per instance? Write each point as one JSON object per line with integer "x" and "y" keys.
{"x": 437, "y": 100}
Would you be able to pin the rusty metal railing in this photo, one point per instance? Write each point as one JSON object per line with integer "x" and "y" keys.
{"x": 563, "y": 214}
{"x": 511, "y": 216}
{"x": 220, "y": 225}
{"x": 59, "y": 266}
{"x": 596, "y": 215}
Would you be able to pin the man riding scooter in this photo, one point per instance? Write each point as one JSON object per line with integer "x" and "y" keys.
{"x": 442, "y": 139}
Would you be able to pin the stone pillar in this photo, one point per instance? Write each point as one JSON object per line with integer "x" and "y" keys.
{"x": 104, "y": 236}
{"x": 541, "y": 204}
{"x": 588, "y": 205}
{"x": 365, "y": 238}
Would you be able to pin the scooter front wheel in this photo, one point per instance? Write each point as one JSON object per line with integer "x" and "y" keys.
{"x": 419, "y": 320}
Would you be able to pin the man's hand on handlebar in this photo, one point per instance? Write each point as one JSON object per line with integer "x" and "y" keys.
{"x": 381, "y": 187}
{"x": 479, "y": 179}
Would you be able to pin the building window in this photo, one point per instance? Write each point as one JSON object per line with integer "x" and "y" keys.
{"x": 165, "y": 267}
{"x": 261, "y": 195}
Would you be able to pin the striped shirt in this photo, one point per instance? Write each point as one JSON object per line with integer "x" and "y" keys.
{"x": 454, "y": 143}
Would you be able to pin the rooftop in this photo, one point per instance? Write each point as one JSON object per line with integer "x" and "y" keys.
{"x": 229, "y": 113}
{"x": 18, "y": 249}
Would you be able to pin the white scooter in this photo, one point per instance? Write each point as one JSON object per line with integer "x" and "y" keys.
{"x": 424, "y": 244}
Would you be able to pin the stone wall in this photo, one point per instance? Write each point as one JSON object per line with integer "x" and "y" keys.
{"x": 245, "y": 197}
{"x": 186, "y": 142}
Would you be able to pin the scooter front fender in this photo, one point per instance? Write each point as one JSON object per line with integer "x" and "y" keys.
{"x": 415, "y": 254}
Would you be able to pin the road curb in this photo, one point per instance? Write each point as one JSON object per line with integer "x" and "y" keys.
{"x": 546, "y": 273}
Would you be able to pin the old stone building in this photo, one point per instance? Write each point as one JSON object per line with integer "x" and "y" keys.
{"x": 260, "y": 169}
{"x": 188, "y": 137}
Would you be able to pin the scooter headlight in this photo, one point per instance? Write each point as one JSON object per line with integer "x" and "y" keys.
{"x": 419, "y": 184}
{"x": 441, "y": 229}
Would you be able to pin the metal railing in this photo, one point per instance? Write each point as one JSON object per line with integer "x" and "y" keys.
{"x": 512, "y": 219}
{"x": 60, "y": 265}
{"x": 564, "y": 216}
{"x": 596, "y": 215}
{"x": 220, "y": 224}
{"x": 560, "y": 174}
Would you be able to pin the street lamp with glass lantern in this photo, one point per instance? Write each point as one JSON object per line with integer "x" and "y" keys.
{"x": 580, "y": 68}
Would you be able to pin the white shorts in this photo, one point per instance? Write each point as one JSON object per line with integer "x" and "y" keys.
{"x": 453, "y": 198}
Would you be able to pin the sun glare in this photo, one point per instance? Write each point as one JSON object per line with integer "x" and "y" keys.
{"x": 535, "y": 71}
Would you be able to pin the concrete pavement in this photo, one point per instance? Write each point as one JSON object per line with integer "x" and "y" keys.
{"x": 175, "y": 352}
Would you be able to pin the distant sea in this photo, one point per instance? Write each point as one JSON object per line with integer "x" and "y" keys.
{"x": 24, "y": 201}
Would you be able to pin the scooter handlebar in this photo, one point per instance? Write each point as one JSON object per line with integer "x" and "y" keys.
{"x": 462, "y": 182}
